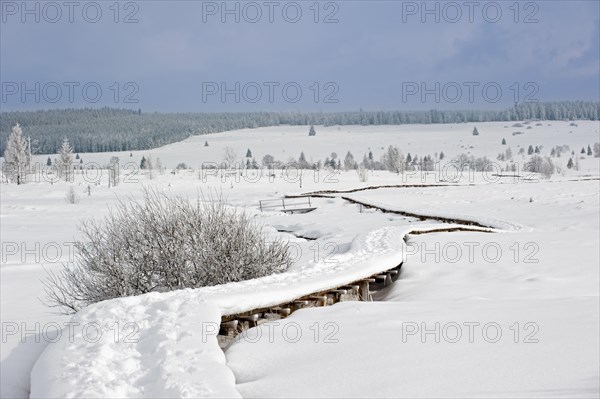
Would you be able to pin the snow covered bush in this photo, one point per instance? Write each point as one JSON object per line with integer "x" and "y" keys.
{"x": 541, "y": 165}
{"x": 362, "y": 174}
{"x": 163, "y": 244}
{"x": 470, "y": 162}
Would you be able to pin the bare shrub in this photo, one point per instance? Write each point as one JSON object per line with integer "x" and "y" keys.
{"x": 161, "y": 244}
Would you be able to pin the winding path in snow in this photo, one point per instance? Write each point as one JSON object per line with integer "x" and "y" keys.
{"x": 177, "y": 352}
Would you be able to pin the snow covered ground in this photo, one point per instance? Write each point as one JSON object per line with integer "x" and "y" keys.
{"x": 511, "y": 314}
{"x": 554, "y": 222}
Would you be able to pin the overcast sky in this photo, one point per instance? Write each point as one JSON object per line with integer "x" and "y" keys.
{"x": 180, "y": 55}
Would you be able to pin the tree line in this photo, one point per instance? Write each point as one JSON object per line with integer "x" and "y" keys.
{"x": 110, "y": 129}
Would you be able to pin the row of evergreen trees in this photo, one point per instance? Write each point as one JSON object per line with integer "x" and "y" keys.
{"x": 109, "y": 129}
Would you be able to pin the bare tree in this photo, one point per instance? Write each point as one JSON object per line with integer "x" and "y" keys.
{"x": 65, "y": 160}
{"x": 164, "y": 244}
{"x": 114, "y": 171}
{"x": 229, "y": 157}
{"x": 150, "y": 167}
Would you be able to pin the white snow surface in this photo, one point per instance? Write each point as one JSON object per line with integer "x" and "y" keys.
{"x": 541, "y": 309}
{"x": 148, "y": 346}
{"x": 173, "y": 357}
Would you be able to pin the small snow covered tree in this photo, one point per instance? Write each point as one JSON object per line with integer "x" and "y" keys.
{"x": 427, "y": 163}
{"x": 162, "y": 244}
{"x": 206, "y": 143}
{"x": 302, "y": 163}
{"x": 49, "y": 161}
{"x": 503, "y": 141}
{"x": 312, "y": 131}
{"x": 349, "y": 162}
{"x": 159, "y": 166}
{"x": 363, "y": 175}
{"x": 596, "y": 150}
{"x": 475, "y": 131}
{"x": 72, "y": 197}
{"x": 393, "y": 159}
{"x": 268, "y": 160}
{"x": 65, "y": 160}
{"x": 570, "y": 163}
{"x": 150, "y": 167}
{"x": 143, "y": 163}
{"x": 16, "y": 156}
{"x": 589, "y": 150}
{"x": 530, "y": 150}
{"x": 582, "y": 150}
{"x": 543, "y": 166}
{"x": 113, "y": 171}
{"x": 248, "y": 153}
{"x": 230, "y": 157}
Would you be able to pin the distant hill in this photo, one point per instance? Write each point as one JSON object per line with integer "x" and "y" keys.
{"x": 110, "y": 129}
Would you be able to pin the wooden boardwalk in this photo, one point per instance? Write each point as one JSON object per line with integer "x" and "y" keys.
{"x": 360, "y": 290}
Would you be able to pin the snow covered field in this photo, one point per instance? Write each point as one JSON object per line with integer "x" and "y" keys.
{"x": 538, "y": 269}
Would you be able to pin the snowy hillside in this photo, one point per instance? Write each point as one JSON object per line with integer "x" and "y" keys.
{"x": 283, "y": 142}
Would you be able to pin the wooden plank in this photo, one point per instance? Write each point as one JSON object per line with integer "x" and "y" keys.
{"x": 252, "y": 317}
{"x": 319, "y": 298}
{"x": 364, "y": 293}
{"x": 229, "y": 328}
{"x": 284, "y": 312}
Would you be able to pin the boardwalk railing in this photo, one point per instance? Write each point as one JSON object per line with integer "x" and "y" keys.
{"x": 287, "y": 205}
